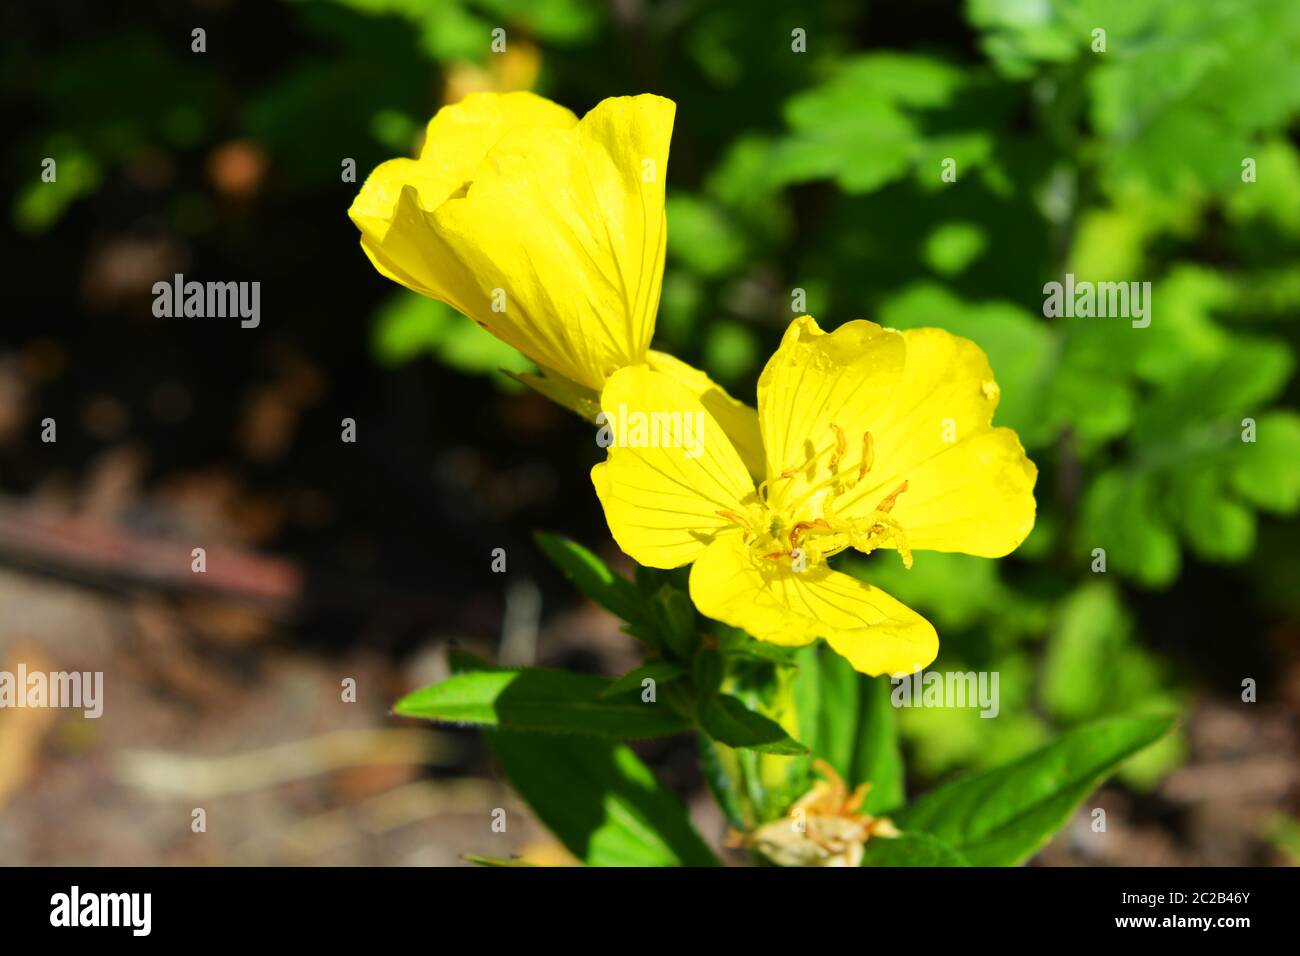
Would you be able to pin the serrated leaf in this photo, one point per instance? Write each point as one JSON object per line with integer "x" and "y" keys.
{"x": 1122, "y": 516}
{"x": 867, "y": 124}
{"x": 1001, "y": 817}
{"x": 1266, "y": 472}
{"x": 728, "y": 721}
{"x": 539, "y": 701}
{"x": 601, "y": 801}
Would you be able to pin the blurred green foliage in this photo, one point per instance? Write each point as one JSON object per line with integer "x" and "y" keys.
{"x": 818, "y": 175}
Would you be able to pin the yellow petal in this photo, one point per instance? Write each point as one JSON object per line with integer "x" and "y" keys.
{"x": 969, "y": 485}
{"x": 460, "y": 135}
{"x": 555, "y": 243}
{"x": 662, "y": 502}
{"x": 456, "y": 140}
{"x": 814, "y": 384}
{"x": 547, "y": 231}
{"x": 737, "y": 419}
{"x": 875, "y": 632}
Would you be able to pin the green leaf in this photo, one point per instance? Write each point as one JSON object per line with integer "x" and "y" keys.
{"x": 943, "y": 739}
{"x": 953, "y": 246}
{"x": 1122, "y": 516}
{"x": 911, "y": 849}
{"x": 873, "y": 121}
{"x": 847, "y": 720}
{"x": 1266, "y": 472}
{"x": 728, "y": 721}
{"x": 410, "y": 325}
{"x": 593, "y": 577}
{"x": 675, "y": 620}
{"x": 707, "y": 671}
{"x": 703, "y": 238}
{"x": 540, "y": 701}
{"x": 1088, "y": 654}
{"x": 505, "y": 861}
{"x": 719, "y": 766}
{"x": 1094, "y": 668}
{"x": 601, "y": 801}
{"x": 1001, "y": 817}
{"x": 734, "y": 642}
{"x": 661, "y": 672}
{"x": 956, "y": 591}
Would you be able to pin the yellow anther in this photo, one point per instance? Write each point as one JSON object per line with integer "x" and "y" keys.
{"x": 821, "y": 524}
{"x": 737, "y": 520}
{"x": 887, "y": 505}
{"x": 868, "y": 455}
{"x": 841, "y": 446}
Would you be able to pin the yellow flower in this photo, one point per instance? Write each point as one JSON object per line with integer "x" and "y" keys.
{"x": 548, "y": 231}
{"x": 873, "y": 439}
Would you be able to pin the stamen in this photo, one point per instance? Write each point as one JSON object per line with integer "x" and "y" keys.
{"x": 888, "y": 504}
{"x": 833, "y": 533}
{"x": 737, "y": 520}
{"x": 854, "y": 802}
{"x": 868, "y": 455}
{"x": 820, "y": 524}
{"x": 841, "y": 446}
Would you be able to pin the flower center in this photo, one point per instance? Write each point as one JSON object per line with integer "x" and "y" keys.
{"x": 804, "y": 530}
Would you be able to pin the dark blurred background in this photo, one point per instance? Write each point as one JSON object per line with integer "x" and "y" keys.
{"x": 813, "y": 169}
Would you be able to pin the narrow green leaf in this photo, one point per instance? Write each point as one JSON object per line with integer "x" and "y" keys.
{"x": 674, "y": 613}
{"x": 661, "y": 672}
{"x": 707, "y": 671}
{"x": 1001, "y": 817}
{"x": 714, "y": 762}
{"x": 728, "y": 721}
{"x": 736, "y": 643}
{"x": 601, "y": 801}
{"x": 593, "y": 577}
{"x": 876, "y": 755}
{"x": 494, "y": 860}
{"x": 911, "y": 849}
{"x": 541, "y": 701}
{"x": 847, "y": 720}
